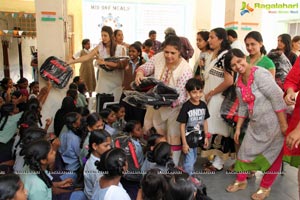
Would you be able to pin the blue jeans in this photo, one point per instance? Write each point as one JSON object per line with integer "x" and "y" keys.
{"x": 189, "y": 160}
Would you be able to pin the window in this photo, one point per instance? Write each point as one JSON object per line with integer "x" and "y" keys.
{"x": 294, "y": 28}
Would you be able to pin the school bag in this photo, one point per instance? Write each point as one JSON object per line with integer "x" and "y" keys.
{"x": 145, "y": 86}
{"x": 157, "y": 96}
{"x": 229, "y": 106}
{"x": 56, "y": 71}
{"x": 124, "y": 142}
{"x": 282, "y": 64}
{"x": 195, "y": 138}
{"x": 122, "y": 62}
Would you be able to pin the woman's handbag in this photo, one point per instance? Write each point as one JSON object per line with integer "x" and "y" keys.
{"x": 229, "y": 106}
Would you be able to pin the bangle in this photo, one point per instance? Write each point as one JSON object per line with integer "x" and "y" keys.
{"x": 207, "y": 135}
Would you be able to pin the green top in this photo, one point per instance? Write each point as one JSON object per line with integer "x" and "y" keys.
{"x": 37, "y": 189}
{"x": 264, "y": 62}
{"x": 10, "y": 128}
{"x": 81, "y": 101}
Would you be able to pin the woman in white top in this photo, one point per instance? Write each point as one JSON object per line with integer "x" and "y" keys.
{"x": 108, "y": 81}
{"x": 217, "y": 80}
{"x": 169, "y": 67}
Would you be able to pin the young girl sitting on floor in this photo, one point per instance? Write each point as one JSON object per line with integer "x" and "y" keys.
{"x": 120, "y": 114}
{"x": 99, "y": 142}
{"x": 113, "y": 164}
{"x": 70, "y": 143}
{"x": 131, "y": 182}
{"x": 109, "y": 117}
{"x": 11, "y": 187}
{"x": 94, "y": 122}
{"x": 39, "y": 156}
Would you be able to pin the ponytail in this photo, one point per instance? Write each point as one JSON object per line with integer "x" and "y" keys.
{"x": 33, "y": 154}
{"x": 97, "y": 137}
{"x": 4, "y": 122}
{"x": 112, "y": 163}
{"x": 6, "y": 110}
{"x": 263, "y": 50}
{"x": 70, "y": 119}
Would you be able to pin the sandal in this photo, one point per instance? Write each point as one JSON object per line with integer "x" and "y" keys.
{"x": 261, "y": 193}
{"x": 236, "y": 186}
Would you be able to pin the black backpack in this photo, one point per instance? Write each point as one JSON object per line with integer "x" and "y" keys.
{"x": 56, "y": 71}
{"x": 134, "y": 169}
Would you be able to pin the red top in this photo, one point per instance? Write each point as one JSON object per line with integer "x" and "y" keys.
{"x": 293, "y": 81}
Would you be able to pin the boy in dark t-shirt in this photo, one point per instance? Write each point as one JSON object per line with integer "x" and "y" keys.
{"x": 193, "y": 124}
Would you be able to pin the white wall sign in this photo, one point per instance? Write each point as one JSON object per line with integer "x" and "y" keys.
{"x": 134, "y": 19}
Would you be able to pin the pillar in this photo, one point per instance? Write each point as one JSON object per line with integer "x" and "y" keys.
{"x": 242, "y": 17}
{"x": 51, "y": 41}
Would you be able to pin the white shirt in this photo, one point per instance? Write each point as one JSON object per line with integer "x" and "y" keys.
{"x": 112, "y": 192}
{"x": 77, "y": 54}
{"x": 91, "y": 175}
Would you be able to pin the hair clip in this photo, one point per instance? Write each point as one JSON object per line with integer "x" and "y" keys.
{"x": 23, "y": 125}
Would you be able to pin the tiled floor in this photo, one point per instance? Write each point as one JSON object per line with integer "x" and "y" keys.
{"x": 284, "y": 188}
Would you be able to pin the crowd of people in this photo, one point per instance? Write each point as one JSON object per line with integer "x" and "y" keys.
{"x": 128, "y": 152}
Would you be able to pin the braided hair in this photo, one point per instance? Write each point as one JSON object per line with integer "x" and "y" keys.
{"x": 22, "y": 131}
{"x": 97, "y": 137}
{"x": 33, "y": 104}
{"x": 28, "y": 115}
{"x": 162, "y": 155}
{"x": 31, "y": 134}
{"x": 33, "y": 154}
{"x": 70, "y": 119}
{"x": 112, "y": 163}
{"x": 6, "y": 110}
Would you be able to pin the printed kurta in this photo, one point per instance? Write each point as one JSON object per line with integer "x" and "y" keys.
{"x": 263, "y": 140}
{"x": 165, "y": 117}
{"x": 214, "y": 76}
